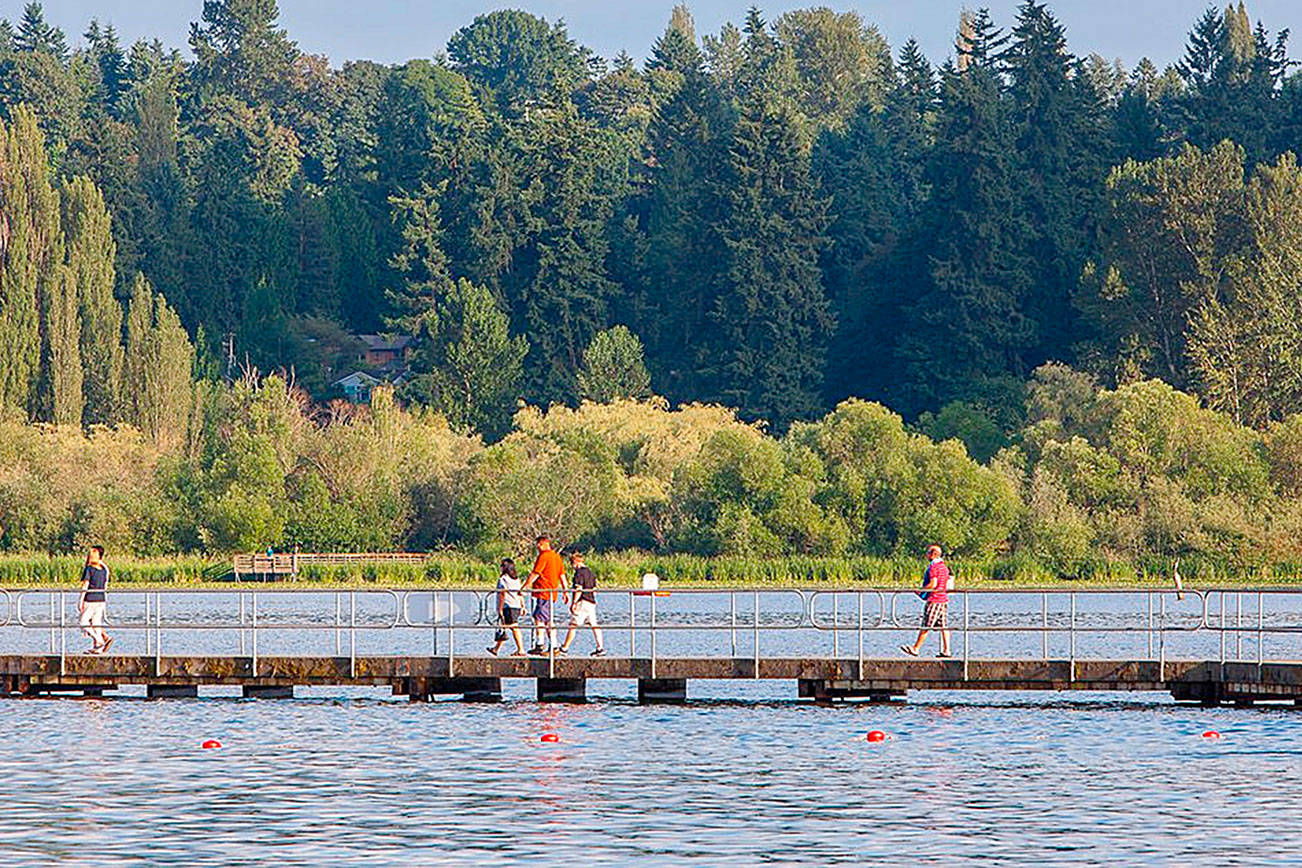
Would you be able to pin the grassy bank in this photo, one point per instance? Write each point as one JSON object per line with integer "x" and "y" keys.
{"x": 624, "y": 569}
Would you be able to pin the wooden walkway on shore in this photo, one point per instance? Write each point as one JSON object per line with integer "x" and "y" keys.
{"x": 663, "y": 679}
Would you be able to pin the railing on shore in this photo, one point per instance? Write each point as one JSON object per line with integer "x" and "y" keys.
{"x": 836, "y": 624}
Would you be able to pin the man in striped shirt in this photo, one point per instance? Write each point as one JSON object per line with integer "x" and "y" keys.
{"x": 935, "y": 615}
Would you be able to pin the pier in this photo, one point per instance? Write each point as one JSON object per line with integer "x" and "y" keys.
{"x": 1205, "y": 646}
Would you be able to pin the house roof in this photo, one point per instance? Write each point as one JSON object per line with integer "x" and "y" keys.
{"x": 382, "y": 343}
{"x": 356, "y": 378}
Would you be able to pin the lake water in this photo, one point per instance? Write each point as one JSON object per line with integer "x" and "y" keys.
{"x": 743, "y": 774}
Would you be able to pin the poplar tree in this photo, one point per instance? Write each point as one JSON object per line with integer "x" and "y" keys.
{"x": 156, "y": 381}
{"x": 31, "y": 251}
{"x": 91, "y": 254}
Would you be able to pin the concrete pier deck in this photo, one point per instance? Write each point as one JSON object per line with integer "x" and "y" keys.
{"x": 660, "y": 680}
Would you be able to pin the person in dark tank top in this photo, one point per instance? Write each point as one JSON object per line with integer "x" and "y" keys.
{"x": 94, "y": 600}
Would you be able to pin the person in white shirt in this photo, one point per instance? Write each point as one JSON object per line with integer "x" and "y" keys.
{"x": 510, "y": 602}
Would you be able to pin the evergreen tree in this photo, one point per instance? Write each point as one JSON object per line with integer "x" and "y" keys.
{"x": 467, "y": 365}
{"x": 1058, "y": 124}
{"x": 771, "y": 322}
{"x": 239, "y": 51}
{"x": 614, "y": 367}
{"x": 36, "y": 35}
{"x": 91, "y": 255}
{"x": 519, "y": 60}
{"x": 967, "y": 333}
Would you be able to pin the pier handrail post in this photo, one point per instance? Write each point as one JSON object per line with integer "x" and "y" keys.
{"x": 965, "y": 635}
{"x": 1044, "y": 624}
{"x": 653, "y": 635}
{"x": 632, "y": 625}
{"x": 1221, "y": 627}
{"x": 253, "y": 631}
{"x": 860, "y": 596}
{"x": 148, "y": 638}
{"x": 240, "y": 596}
{"x": 158, "y": 634}
{"x": 755, "y": 631}
{"x": 1261, "y": 637}
{"x": 1150, "y": 624}
{"x": 54, "y": 642}
{"x": 1072, "y": 634}
{"x": 339, "y": 617}
{"x": 836, "y": 611}
{"x": 1238, "y": 625}
{"x": 732, "y": 628}
{"x": 352, "y": 634}
{"x": 1161, "y": 640}
{"x": 451, "y": 637}
{"x": 63, "y": 636}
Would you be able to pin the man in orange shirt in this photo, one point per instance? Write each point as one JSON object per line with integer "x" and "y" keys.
{"x": 546, "y": 577}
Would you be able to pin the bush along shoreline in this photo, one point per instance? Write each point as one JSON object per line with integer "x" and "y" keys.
{"x": 625, "y": 569}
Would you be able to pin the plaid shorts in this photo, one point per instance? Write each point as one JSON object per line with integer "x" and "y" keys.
{"x": 935, "y": 616}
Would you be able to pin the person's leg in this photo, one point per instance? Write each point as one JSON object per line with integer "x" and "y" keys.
{"x": 519, "y": 640}
{"x": 86, "y": 626}
{"x": 596, "y": 631}
{"x": 569, "y": 632}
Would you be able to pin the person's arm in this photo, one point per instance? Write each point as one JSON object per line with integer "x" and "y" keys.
{"x": 85, "y": 583}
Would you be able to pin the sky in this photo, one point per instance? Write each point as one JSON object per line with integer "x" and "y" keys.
{"x": 391, "y": 31}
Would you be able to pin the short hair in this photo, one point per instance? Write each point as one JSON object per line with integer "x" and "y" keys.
{"x": 98, "y": 549}
{"x": 933, "y": 551}
{"x": 576, "y": 555}
{"x": 543, "y": 539}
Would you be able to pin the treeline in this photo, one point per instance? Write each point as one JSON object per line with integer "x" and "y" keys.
{"x": 1098, "y": 480}
{"x": 782, "y": 215}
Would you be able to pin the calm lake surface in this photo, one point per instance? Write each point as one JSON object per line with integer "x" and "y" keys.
{"x": 743, "y": 774}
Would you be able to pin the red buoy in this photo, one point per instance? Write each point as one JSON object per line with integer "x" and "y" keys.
{"x": 210, "y": 744}
{"x": 550, "y": 737}
{"x": 1211, "y": 733}
{"x": 876, "y": 735}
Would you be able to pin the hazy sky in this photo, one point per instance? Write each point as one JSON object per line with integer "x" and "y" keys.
{"x": 396, "y": 30}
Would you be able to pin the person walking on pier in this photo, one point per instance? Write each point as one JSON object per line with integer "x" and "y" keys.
{"x": 583, "y": 606}
{"x": 94, "y": 582}
{"x": 545, "y": 580}
{"x": 510, "y": 604}
{"x": 935, "y": 615}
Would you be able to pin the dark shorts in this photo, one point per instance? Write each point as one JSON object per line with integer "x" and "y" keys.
{"x": 542, "y": 610}
{"x": 510, "y": 616}
{"x": 936, "y": 616}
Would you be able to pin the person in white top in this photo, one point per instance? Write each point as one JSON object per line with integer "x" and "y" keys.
{"x": 510, "y": 602}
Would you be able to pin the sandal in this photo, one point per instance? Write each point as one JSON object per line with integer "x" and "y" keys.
{"x": 908, "y": 649}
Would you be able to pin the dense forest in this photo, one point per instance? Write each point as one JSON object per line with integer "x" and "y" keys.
{"x": 660, "y": 303}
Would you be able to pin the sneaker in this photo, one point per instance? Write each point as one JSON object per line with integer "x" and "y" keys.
{"x": 518, "y": 654}
{"x": 600, "y": 652}
{"x": 537, "y": 651}
{"x": 561, "y": 651}
{"x": 491, "y": 650}
{"x": 945, "y": 656}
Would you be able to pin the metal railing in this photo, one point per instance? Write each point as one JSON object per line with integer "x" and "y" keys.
{"x": 732, "y": 618}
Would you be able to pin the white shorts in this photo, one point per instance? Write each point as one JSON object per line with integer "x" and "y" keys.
{"x": 92, "y": 615}
{"x": 584, "y": 613}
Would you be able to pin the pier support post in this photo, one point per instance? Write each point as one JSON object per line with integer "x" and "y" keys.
{"x": 825, "y": 692}
{"x": 562, "y": 689}
{"x": 268, "y": 691}
{"x": 172, "y": 691}
{"x": 471, "y": 689}
{"x": 653, "y": 691}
